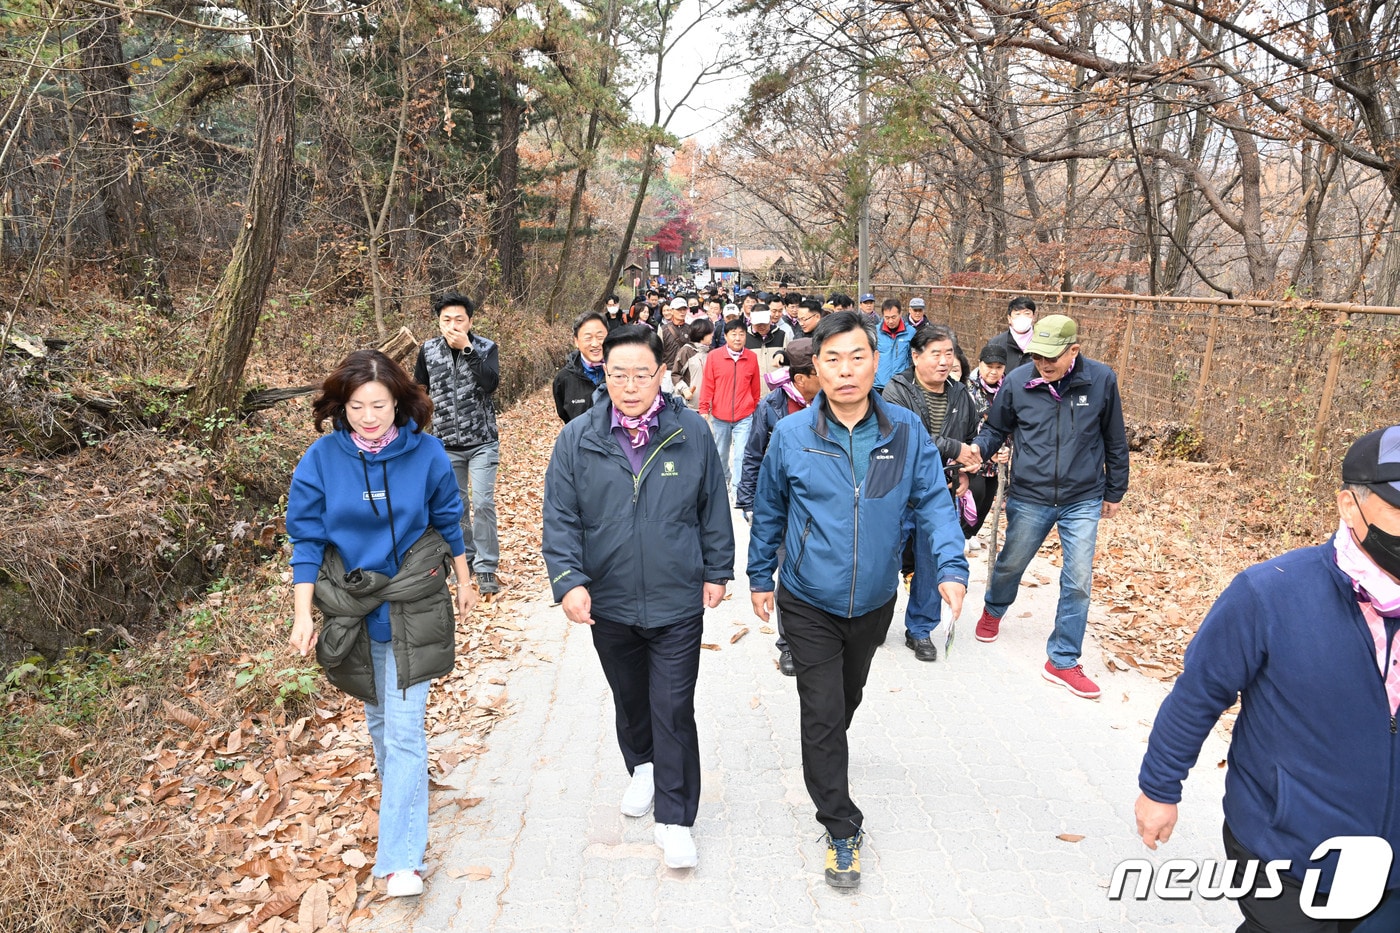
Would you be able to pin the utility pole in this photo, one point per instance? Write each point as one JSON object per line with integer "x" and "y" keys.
{"x": 863, "y": 230}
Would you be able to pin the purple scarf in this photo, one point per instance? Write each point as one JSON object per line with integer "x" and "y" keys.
{"x": 782, "y": 379}
{"x": 374, "y": 447}
{"x": 1037, "y": 381}
{"x": 642, "y": 423}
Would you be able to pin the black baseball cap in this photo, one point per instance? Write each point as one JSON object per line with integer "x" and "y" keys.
{"x": 1374, "y": 462}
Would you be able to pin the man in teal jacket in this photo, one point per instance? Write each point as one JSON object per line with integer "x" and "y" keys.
{"x": 833, "y": 489}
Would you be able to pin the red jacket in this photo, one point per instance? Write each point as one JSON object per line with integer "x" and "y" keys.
{"x": 730, "y": 388}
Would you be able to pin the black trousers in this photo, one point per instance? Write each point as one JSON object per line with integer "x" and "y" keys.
{"x": 832, "y": 655}
{"x": 652, "y": 673}
{"x": 1283, "y": 914}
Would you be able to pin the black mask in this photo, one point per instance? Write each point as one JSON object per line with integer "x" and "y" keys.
{"x": 1381, "y": 546}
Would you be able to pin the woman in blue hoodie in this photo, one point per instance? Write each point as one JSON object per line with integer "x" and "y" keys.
{"x": 371, "y": 488}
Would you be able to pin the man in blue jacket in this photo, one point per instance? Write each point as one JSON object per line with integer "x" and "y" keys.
{"x": 832, "y": 491}
{"x": 1070, "y": 469}
{"x": 639, "y": 542}
{"x": 893, "y": 339}
{"x": 1310, "y": 643}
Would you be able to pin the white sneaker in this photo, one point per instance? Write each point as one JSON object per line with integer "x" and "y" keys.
{"x": 973, "y": 545}
{"x": 405, "y": 884}
{"x": 636, "y": 800}
{"x": 677, "y": 848}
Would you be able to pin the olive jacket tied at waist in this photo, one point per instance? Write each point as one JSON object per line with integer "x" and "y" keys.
{"x": 421, "y": 621}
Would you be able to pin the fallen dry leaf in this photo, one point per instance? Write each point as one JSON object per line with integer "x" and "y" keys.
{"x": 1070, "y": 837}
{"x": 738, "y": 635}
{"x": 708, "y": 646}
{"x": 471, "y": 872}
{"x": 315, "y": 911}
{"x": 354, "y": 858}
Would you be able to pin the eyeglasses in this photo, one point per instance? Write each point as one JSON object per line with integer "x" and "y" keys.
{"x": 632, "y": 379}
{"x": 1048, "y": 359}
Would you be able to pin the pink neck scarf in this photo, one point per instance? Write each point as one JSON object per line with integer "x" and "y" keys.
{"x": 375, "y": 446}
{"x": 642, "y": 423}
{"x": 1366, "y": 578}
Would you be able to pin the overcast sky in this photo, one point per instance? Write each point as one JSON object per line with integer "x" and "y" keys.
{"x": 702, "y": 117}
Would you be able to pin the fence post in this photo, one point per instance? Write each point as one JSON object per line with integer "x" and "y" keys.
{"x": 1198, "y": 408}
{"x": 1329, "y": 388}
{"x": 1126, "y": 345}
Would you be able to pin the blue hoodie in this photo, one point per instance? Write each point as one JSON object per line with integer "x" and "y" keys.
{"x": 344, "y": 497}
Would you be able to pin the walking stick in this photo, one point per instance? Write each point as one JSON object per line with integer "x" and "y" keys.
{"x": 996, "y": 517}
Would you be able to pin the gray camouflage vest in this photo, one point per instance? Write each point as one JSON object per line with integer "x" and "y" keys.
{"x": 463, "y": 416}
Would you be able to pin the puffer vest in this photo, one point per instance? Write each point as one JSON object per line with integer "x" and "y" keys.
{"x": 463, "y": 415}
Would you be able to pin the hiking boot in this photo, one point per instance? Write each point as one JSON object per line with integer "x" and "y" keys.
{"x": 677, "y": 846}
{"x": 487, "y": 584}
{"x": 924, "y": 649}
{"x": 636, "y": 799}
{"x": 786, "y": 663}
{"x": 988, "y": 627}
{"x": 1072, "y": 679}
{"x": 404, "y": 884}
{"x": 843, "y": 861}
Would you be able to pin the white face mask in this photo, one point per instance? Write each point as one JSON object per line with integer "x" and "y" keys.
{"x": 1021, "y": 323}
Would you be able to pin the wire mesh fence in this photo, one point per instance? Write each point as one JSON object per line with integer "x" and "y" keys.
{"x": 1268, "y": 386}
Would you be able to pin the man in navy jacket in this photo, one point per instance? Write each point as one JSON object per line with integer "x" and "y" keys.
{"x": 1070, "y": 469}
{"x": 1310, "y": 642}
{"x": 833, "y": 490}
{"x": 639, "y": 542}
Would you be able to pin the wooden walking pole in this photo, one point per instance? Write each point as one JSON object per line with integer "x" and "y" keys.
{"x": 996, "y": 518}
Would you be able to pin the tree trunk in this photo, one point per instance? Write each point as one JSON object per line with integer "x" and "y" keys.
{"x": 648, "y": 161}
{"x": 505, "y": 220}
{"x": 591, "y": 141}
{"x": 1263, "y": 264}
{"x": 239, "y": 298}
{"x": 140, "y": 269}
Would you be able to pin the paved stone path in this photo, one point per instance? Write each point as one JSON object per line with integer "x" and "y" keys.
{"x": 966, "y": 769}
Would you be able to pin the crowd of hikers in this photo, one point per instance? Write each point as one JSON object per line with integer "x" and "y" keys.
{"x": 861, "y": 446}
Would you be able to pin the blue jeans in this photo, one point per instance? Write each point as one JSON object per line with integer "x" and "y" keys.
{"x": 925, "y": 607}
{"x": 731, "y": 437}
{"x": 1027, "y": 524}
{"x": 401, "y": 756}
{"x": 476, "y": 479}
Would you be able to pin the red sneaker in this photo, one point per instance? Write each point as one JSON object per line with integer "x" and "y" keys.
{"x": 1072, "y": 679}
{"x": 988, "y": 627}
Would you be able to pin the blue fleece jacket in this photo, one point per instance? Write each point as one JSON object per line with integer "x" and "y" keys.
{"x": 1315, "y": 752}
{"x": 344, "y": 497}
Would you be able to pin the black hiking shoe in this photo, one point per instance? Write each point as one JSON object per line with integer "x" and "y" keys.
{"x": 924, "y": 649}
{"x": 786, "y": 663}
